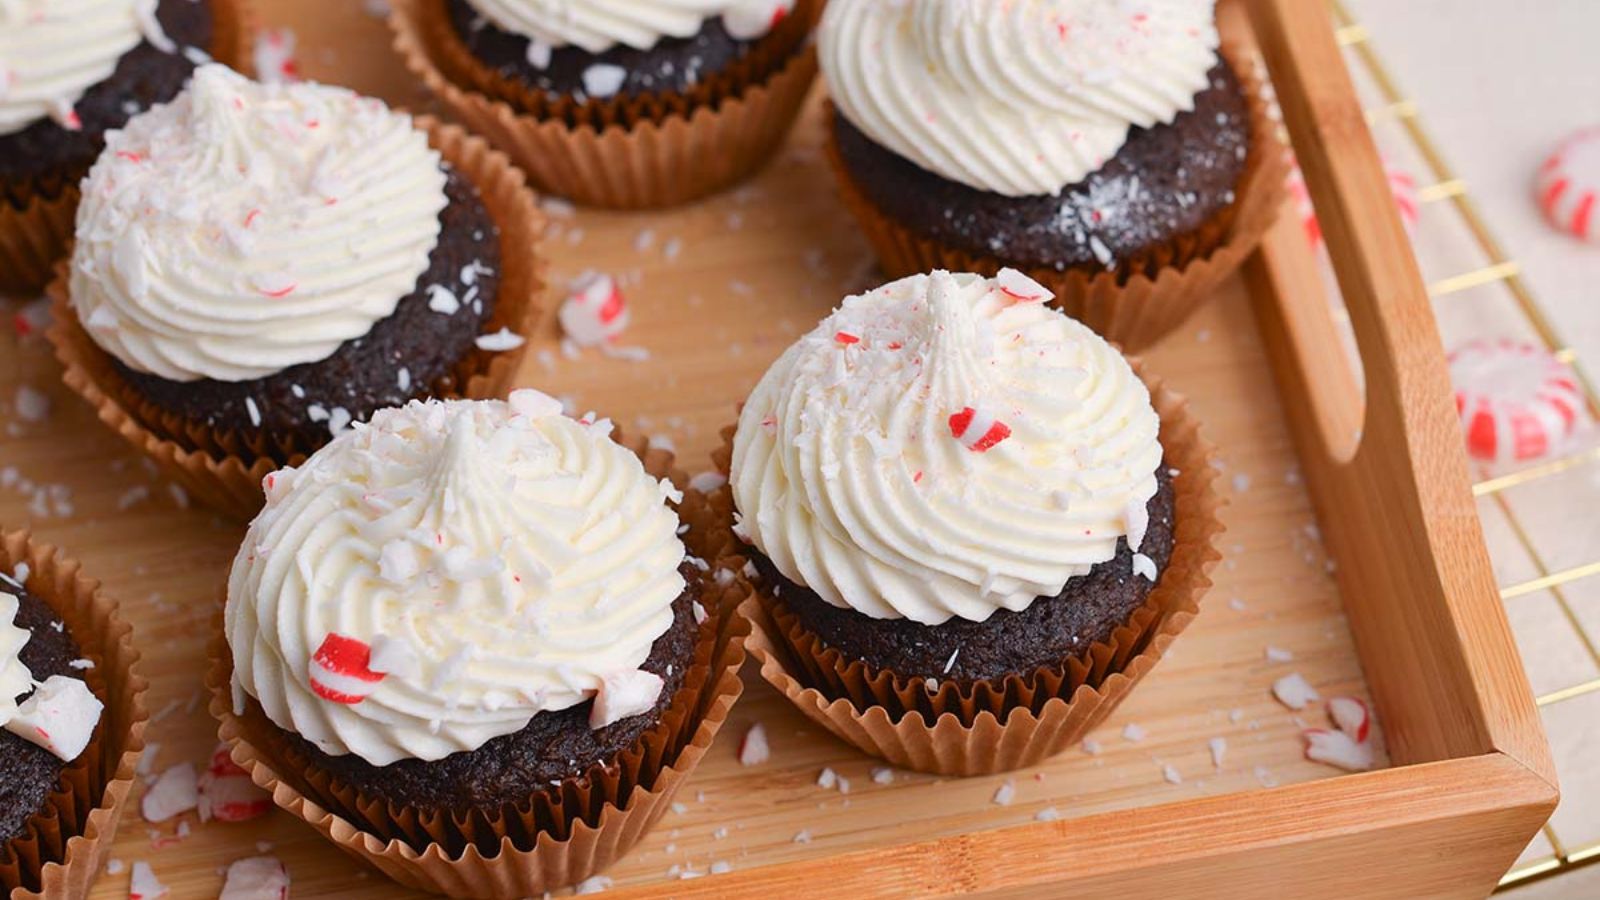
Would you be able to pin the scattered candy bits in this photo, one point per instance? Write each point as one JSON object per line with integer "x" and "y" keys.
{"x": 1349, "y": 746}
{"x": 1021, "y": 288}
{"x": 977, "y": 429}
{"x": 594, "y": 311}
{"x": 256, "y": 878}
{"x": 1568, "y": 181}
{"x": 1517, "y": 402}
{"x": 174, "y": 793}
{"x": 753, "y": 18}
{"x": 226, "y": 792}
{"x": 754, "y": 750}
{"x": 143, "y": 884}
{"x": 273, "y": 56}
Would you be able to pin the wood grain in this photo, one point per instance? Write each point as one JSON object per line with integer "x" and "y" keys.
{"x": 717, "y": 290}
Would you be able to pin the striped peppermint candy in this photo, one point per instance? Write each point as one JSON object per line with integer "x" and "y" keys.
{"x": 978, "y": 429}
{"x": 1401, "y": 185}
{"x": 1517, "y": 401}
{"x": 1568, "y": 182}
{"x": 341, "y": 670}
{"x": 594, "y": 311}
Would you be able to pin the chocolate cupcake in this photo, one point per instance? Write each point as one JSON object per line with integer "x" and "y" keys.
{"x": 258, "y": 267}
{"x": 71, "y": 721}
{"x": 75, "y": 71}
{"x": 619, "y": 103}
{"x": 953, "y": 493}
{"x": 469, "y": 621}
{"x": 1114, "y": 150}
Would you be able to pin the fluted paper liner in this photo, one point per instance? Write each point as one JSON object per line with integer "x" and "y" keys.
{"x": 36, "y": 234}
{"x": 554, "y": 841}
{"x": 622, "y": 155}
{"x": 1148, "y": 297}
{"x": 223, "y": 470}
{"x": 996, "y": 726}
{"x": 61, "y": 849}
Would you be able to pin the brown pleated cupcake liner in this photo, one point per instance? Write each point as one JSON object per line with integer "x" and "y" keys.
{"x": 624, "y": 158}
{"x": 559, "y": 838}
{"x": 766, "y": 57}
{"x": 36, "y": 233}
{"x": 223, "y": 470}
{"x": 978, "y": 728}
{"x": 62, "y": 847}
{"x": 1148, "y": 297}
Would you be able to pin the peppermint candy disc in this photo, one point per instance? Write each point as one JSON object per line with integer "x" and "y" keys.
{"x": 1568, "y": 182}
{"x": 1517, "y": 402}
{"x": 1401, "y": 185}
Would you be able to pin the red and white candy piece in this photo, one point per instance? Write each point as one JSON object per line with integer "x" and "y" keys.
{"x": 623, "y": 694}
{"x": 174, "y": 793}
{"x": 1569, "y": 182}
{"x": 594, "y": 312}
{"x": 256, "y": 878}
{"x": 978, "y": 429}
{"x": 341, "y": 670}
{"x": 751, "y": 19}
{"x": 226, "y": 792}
{"x": 1020, "y": 288}
{"x": 60, "y": 716}
{"x": 754, "y": 749}
{"x": 32, "y": 319}
{"x": 1294, "y": 691}
{"x": 1351, "y": 715}
{"x": 1339, "y": 749}
{"x": 1401, "y": 185}
{"x": 1516, "y": 400}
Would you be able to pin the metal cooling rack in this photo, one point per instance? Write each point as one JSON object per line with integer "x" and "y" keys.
{"x": 1398, "y": 112}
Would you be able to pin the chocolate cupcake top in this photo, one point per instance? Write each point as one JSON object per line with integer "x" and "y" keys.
{"x": 599, "y": 25}
{"x": 52, "y": 51}
{"x": 246, "y": 228}
{"x": 943, "y": 446}
{"x": 1020, "y": 98}
{"x": 435, "y": 579}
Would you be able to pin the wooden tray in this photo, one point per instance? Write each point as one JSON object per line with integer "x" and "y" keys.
{"x": 718, "y": 290}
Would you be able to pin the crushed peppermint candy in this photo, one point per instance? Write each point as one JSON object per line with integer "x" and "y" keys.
{"x": 273, "y": 56}
{"x": 1219, "y": 748}
{"x": 595, "y": 312}
{"x": 1006, "y": 793}
{"x": 977, "y": 429}
{"x": 500, "y": 341}
{"x": 1352, "y": 716}
{"x": 143, "y": 884}
{"x": 175, "y": 792}
{"x": 602, "y": 80}
{"x": 1134, "y": 732}
{"x": 1293, "y": 691}
{"x": 754, "y": 749}
{"x": 1338, "y": 749}
{"x": 256, "y": 878}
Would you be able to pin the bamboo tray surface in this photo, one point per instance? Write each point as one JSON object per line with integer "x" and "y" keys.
{"x": 716, "y": 291}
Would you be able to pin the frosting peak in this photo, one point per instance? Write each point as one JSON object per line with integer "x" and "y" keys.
{"x": 435, "y": 579}
{"x": 599, "y": 25}
{"x": 246, "y": 228}
{"x": 1022, "y": 97}
{"x": 946, "y": 445}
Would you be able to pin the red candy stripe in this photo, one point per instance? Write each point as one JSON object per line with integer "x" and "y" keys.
{"x": 1517, "y": 402}
{"x": 977, "y": 430}
{"x": 340, "y": 670}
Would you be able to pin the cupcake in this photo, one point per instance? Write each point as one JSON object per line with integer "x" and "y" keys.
{"x": 71, "y": 722}
{"x": 1116, "y": 157}
{"x": 257, "y": 267}
{"x": 73, "y": 71}
{"x": 619, "y": 103}
{"x": 962, "y": 503}
{"x": 472, "y": 624}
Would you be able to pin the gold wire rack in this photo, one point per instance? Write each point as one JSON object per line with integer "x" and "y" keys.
{"x": 1395, "y": 109}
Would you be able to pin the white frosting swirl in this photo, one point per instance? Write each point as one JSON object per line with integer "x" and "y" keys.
{"x": 599, "y": 25}
{"x": 15, "y": 678}
{"x": 1018, "y": 98}
{"x": 849, "y": 475}
{"x": 246, "y": 228}
{"x": 52, "y": 51}
{"x": 507, "y": 557}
